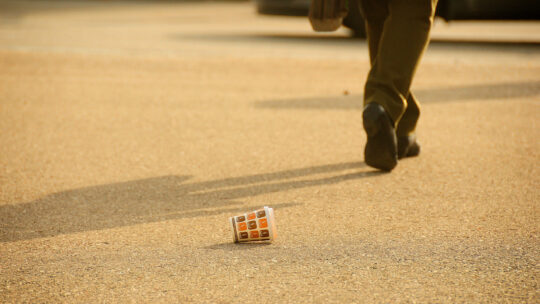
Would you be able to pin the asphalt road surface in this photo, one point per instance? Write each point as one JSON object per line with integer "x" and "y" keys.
{"x": 131, "y": 132}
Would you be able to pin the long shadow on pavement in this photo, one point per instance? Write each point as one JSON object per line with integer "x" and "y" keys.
{"x": 482, "y": 45}
{"x": 156, "y": 199}
{"x": 482, "y": 92}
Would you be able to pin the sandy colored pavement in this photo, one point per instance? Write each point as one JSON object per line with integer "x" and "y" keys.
{"x": 130, "y": 132}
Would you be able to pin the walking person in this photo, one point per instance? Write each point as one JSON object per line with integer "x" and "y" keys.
{"x": 398, "y": 34}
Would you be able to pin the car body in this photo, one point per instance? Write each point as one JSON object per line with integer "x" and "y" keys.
{"x": 447, "y": 9}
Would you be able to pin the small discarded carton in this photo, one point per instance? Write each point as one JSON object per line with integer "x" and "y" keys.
{"x": 255, "y": 226}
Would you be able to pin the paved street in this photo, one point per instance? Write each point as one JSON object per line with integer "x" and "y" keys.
{"x": 131, "y": 131}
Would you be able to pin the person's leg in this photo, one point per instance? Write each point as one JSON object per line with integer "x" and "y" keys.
{"x": 407, "y": 144}
{"x": 403, "y": 40}
{"x": 379, "y": 128}
{"x": 375, "y": 13}
{"x": 407, "y": 123}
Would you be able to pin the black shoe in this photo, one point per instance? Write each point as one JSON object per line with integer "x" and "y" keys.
{"x": 381, "y": 146}
{"x": 408, "y": 146}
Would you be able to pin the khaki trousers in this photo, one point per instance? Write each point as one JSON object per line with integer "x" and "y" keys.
{"x": 398, "y": 34}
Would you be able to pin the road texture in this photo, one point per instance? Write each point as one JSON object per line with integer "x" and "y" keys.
{"x": 130, "y": 132}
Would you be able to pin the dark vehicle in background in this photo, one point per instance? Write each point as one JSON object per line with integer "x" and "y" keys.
{"x": 447, "y": 9}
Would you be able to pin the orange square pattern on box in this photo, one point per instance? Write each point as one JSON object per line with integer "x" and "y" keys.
{"x": 251, "y": 216}
{"x": 263, "y": 223}
{"x": 242, "y": 226}
{"x": 254, "y": 234}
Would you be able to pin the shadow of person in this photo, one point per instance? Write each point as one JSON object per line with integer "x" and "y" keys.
{"x": 153, "y": 200}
